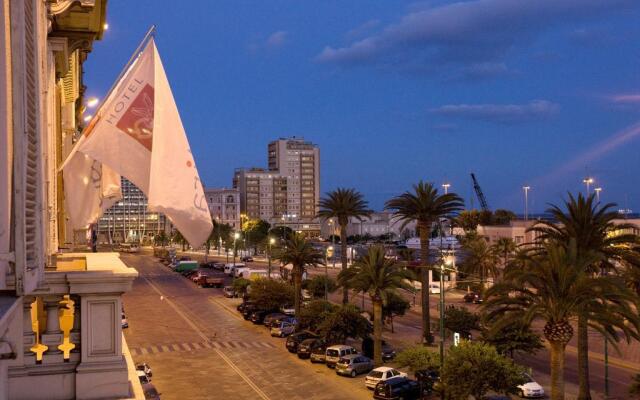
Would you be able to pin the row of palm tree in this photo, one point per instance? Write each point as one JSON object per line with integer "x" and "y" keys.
{"x": 573, "y": 272}
{"x": 423, "y": 204}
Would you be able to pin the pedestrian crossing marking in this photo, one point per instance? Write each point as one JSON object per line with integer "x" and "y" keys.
{"x": 196, "y": 346}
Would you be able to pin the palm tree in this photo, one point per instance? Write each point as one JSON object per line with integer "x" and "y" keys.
{"x": 481, "y": 259}
{"x": 592, "y": 227}
{"x": 425, "y": 206}
{"x": 504, "y": 247}
{"x": 380, "y": 277}
{"x": 300, "y": 254}
{"x": 553, "y": 285}
{"x": 341, "y": 205}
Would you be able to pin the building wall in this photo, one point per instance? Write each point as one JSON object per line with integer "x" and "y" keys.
{"x": 378, "y": 223}
{"x": 224, "y": 205}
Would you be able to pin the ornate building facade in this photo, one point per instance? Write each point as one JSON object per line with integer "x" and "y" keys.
{"x": 60, "y": 312}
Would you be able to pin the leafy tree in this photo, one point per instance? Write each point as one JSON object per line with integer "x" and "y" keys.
{"x": 281, "y": 232}
{"x": 553, "y": 285}
{"x": 503, "y": 217}
{"x": 315, "y": 313}
{"x": 270, "y": 294}
{"x": 395, "y": 305}
{"x": 406, "y": 254}
{"x": 300, "y": 254}
{"x": 516, "y": 337}
{"x": 341, "y": 205}
{"x": 485, "y": 218}
{"x": 379, "y": 277}
{"x": 634, "y": 388}
{"x": 316, "y": 286}
{"x": 255, "y": 231}
{"x": 178, "y": 238}
{"x": 592, "y": 228}
{"x": 425, "y": 206}
{"x": 481, "y": 259}
{"x": 417, "y": 358}
{"x": 504, "y": 247}
{"x": 161, "y": 239}
{"x": 240, "y": 285}
{"x": 474, "y": 369}
{"x": 345, "y": 322}
{"x": 468, "y": 220}
{"x": 459, "y": 319}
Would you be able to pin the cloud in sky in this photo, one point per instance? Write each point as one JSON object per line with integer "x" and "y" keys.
{"x": 500, "y": 113}
{"x": 276, "y": 39}
{"x": 362, "y": 29}
{"x": 628, "y": 98}
{"x": 466, "y": 33}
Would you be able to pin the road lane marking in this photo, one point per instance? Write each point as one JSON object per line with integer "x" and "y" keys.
{"x": 193, "y": 326}
{"x": 231, "y": 311}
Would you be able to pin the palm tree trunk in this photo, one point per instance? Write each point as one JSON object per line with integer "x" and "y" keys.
{"x": 297, "y": 284}
{"x": 423, "y": 229}
{"x": 343, "y": 259}
{"x": 377, "y": 331}
{"x": 557, "y": 371}
{"x": 584, "y": 392}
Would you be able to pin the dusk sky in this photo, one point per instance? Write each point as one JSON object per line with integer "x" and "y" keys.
{"x": 521, "y": 92}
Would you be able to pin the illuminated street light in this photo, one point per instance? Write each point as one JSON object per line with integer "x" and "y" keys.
{"x": 105, "y": 27}
{"x": 588, "y": 181}
{"x": 88, "y": 118}
{"x": 598, "y": 190}
{"x": 446, "y": 187}
{"x": 526, "y": 201}
{"x": 92, "y": 102}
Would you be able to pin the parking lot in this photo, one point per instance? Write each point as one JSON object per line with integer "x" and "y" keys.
{"x": 199, "y": 347}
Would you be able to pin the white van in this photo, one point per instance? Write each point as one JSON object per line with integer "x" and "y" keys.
{"x": 229, "y": 269}
{"x": 241, "y": 272}
{"x": 333, "y": 354}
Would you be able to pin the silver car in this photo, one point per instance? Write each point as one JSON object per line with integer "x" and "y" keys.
{"x": 353, "y": 364}
{"x": 283, "y": 329}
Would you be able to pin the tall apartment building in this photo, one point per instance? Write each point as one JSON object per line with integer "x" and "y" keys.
{"x": 224, "y": 205}
{"x": 129, "y": 219}
{"x": 288, "y": 192}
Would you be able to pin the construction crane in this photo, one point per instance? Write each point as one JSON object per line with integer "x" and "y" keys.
{"x": 479, "y": 194}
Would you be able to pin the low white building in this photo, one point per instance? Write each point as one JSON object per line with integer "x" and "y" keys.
{"x": 377, "y": 224}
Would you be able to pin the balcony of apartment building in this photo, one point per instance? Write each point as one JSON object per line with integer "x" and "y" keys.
{"x": 67, "y": 334}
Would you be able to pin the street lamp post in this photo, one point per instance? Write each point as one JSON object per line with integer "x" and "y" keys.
{"x": 441, "y": 314}
{"x": 446, "y": 187}
{"x": 326, "y": 273}
{"x": 598, "y": 190}
{"x": 588, "y": 181}
{"x": 271, "y": 242}
{"x": 236, "y": 236}
{"x": 526, "y": 201}
{"x": 219, "y": 244}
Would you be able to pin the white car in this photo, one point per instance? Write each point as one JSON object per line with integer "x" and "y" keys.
{"x": 434, "y": 288}
{"x": 288, "y": 310}
{"x": 125, "y": 322}
{"x": 381, "y": 374}
{"x": 530, "y": 389}
{"x": 144, "y": 378}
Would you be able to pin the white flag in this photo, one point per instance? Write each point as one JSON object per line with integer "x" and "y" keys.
{"x": 138, "y": 134}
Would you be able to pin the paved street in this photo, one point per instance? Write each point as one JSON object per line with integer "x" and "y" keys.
{"x": 200, "y": 348}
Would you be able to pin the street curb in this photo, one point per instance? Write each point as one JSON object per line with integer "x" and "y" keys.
{"x": 600, "y": 357}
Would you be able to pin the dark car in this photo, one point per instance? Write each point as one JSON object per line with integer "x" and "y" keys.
{"x": 246, "y": 259}
{"x": 319, "y": 354}
{"x": 150, "y": 392}
{"x": 209, "y": 264}
{"x": 257, "y": 317}
{"x": 472, "y": 297}
{"x": 397, "y": 388}
{"x": 293, "y": 341}
{"x": 429, "y": 379}
{"x": 248, "y": 310}
{"x": 270, "y": 318}
{"x": 308, "y": 345}
{"x": 388, "y": 352}
{"x": 244, "y": 304}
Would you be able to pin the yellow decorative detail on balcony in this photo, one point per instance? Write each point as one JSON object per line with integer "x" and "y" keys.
{"x": 38, "y": 325}
{"x": 66, "y": 315}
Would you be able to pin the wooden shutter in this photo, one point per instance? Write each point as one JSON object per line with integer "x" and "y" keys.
{"x": 28, "y": 176}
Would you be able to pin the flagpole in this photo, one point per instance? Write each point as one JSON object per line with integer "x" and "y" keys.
{"x": 150, "y": 33}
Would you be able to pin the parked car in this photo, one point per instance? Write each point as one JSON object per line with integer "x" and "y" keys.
{"x": 434, "y": 288}
{"x": 244, "y": 304}
{"x": 144, "y": 378}
{"x": 429, "y": 379}
{"x": 381, "y": 374}
{"x": 388, "y": 352}
{"x": 399, "y": 387}
{"x": 469, "y": 297}
{"x": 229, "y": 291}
{"x": 306, "y": 295}
{"x": 353, "y": 364}
{"x": 293, "y": 341}
{"x": 308, "y": 345}
{"x": 282, "y": 318}
{"x": 288, "y": 309}
{"x": 144, "y": 367}
{"x": 531, "y": 388}
{"x": 284, "y": 329}
{"x": 246, "y": 259}
{"x": 318, "y": 354}
{"x": 150, "y": 392}
{"x": 209, "y": 279}
{"x": 335, "y": 353}
{"x": 125, "y": 322}
{"x": 248, "y": 310}
{"x": 257, "y": 317}
{"x": 271, "y": 318}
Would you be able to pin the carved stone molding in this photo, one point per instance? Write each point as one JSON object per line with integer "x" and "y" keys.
{"x": 59, "y": 7}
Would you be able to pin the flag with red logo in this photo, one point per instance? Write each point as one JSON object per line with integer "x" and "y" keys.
{"x": 137, "y": 133}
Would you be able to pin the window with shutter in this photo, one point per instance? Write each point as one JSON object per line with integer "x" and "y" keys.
{"x": 27, "y": 155}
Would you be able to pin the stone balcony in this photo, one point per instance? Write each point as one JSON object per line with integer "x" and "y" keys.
{"x": 80, "y": 300}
